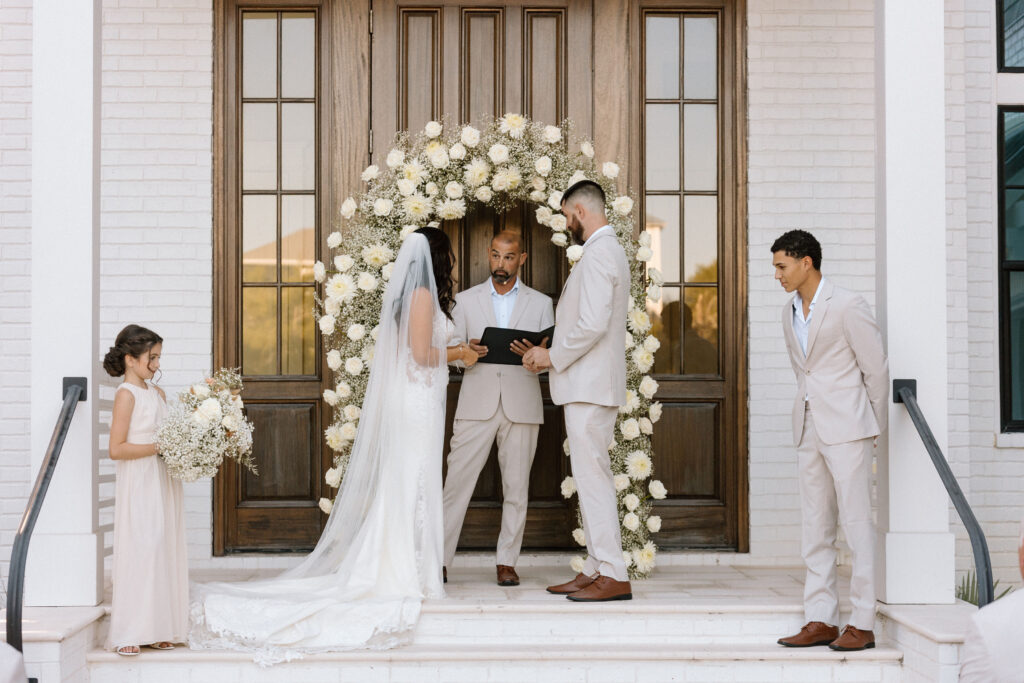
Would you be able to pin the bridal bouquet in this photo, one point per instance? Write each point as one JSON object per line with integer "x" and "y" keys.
{"x": 206, "y": 426}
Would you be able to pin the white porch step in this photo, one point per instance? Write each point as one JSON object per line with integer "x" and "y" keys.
{"x": 474, "y": 663}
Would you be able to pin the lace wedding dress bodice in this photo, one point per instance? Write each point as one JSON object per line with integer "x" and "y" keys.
{"x": 381, "y": 552}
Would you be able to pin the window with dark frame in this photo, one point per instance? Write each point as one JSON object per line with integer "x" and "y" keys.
{"x": 1011, "y": 266}
{"x": 1010, "y": 35}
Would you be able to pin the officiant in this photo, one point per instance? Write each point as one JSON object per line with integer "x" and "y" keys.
{"x": 497, "y": 402}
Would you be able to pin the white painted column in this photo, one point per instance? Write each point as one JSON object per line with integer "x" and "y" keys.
{"x": 65, "y": 564}
{"x": 916, "y": 554}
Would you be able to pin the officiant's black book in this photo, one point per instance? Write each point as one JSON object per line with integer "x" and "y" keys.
{"x": 498, "y": 341}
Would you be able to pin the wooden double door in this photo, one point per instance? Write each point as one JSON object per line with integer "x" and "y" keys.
{"x": 389, "y": 66}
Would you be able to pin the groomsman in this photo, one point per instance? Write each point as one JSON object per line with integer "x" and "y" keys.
{"x": 500, "y": 402}
{"x": 587, "y": 375}
{"x": 841, "y": 406}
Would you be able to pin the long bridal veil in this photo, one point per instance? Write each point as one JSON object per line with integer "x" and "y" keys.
{"x": 380, "y": 552}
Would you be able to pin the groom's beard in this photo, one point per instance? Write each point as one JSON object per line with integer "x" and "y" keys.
{"x": 577, "y": 233}
{"x": 500, "y": 276}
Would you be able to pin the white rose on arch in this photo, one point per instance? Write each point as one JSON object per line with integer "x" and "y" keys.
{"x": 432, "y": 129}
{"x": 552, "y": 134}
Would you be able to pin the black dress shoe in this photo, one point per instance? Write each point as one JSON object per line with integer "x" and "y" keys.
{"x": 444, "y": 574}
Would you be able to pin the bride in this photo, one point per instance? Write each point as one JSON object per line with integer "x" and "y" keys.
{"x": 381, "y": 551}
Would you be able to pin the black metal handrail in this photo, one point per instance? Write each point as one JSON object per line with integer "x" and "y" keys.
{"x": 905, "y": 392}
{"x": 74, "y": 391}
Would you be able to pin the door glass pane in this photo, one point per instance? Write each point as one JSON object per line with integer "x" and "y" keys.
{"x": 1013, "y": 150}
{"x": 298, "y": 237}
{"x": 259, "y": 330}
{"x": 661, "y": 219}
{"x": 700, "y": 58}
{"x": 298, "y": 146}
{"x": 259, "y": 146}
{"x": 1016, "y": 325}
{"x": 259, "y": 238}
{"x": 662, "y": 145}
{"x": 298, "y": 342}
{"x": 298, "y": 54}
{"x": 700, "y": 241}
{"x": 661, "y": 47}
{"x": 700, "y": 331}
{"x": 666, "y": 325}
{"x": 1013, "y": 33}
{"x": 700, "y": 147}
{"x": 259, "y": 54}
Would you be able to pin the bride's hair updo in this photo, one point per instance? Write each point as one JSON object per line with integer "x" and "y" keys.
{"x": 133, "y": 340}
{"x": 443, "y": 262}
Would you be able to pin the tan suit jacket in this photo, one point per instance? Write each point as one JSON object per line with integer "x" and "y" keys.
{"x": 588, "y": 360}
{"x": 845, "y": 374}
{"x": 485, "y": 383}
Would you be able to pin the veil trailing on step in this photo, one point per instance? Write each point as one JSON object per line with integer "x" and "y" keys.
{"x": 380, "y": 552}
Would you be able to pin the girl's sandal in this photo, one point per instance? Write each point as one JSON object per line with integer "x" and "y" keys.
{"x": 128, "y": 650}
{"x": 162, "y": 645}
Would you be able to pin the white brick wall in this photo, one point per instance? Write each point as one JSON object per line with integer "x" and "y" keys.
{"x": 156, "y": 211}
{"x": 15, "y": 261}
{"x": 811, "y": 166}
{"x": 996, "y": 489}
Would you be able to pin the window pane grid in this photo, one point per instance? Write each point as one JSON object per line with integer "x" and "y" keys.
{"x": 697, "y": 115}
{"x": 265, "y": 319}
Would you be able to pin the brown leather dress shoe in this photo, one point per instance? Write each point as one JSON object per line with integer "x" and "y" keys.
{"x": 853, "y": 639}
{"x": 579, "y": 583}
{"x": 813, "y": 633}
{"x": 603, "y": 589}
{"x": 507, "y": 576}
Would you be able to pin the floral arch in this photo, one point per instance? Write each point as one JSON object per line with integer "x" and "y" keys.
{"x": 437, "y": 175}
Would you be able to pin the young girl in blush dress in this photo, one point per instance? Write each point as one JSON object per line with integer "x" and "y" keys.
{"x": 150, "y": 566}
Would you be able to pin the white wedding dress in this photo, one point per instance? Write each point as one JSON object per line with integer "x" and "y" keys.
{"x": 380, "y": 553}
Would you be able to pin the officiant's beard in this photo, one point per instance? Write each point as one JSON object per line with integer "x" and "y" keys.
{"x": 500, "y": 276}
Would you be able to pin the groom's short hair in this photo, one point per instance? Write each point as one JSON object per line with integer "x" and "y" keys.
{"x": 797, "y": 244}
{"x": 586, "y": 191}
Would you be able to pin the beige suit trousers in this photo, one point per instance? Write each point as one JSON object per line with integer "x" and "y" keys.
{"x": 590, "y": 429}
{"x": 835, "y": 486}
{"x": 470, "y": 446}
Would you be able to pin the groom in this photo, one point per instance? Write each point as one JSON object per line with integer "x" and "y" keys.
{"x": 496, "y": 401}
{"x": 587, "y": 375}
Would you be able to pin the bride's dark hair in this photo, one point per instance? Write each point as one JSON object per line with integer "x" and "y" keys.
{"x": 443, "y": 261}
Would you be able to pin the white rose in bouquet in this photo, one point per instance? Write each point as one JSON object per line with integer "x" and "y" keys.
{"x": 484, "y": 194}
{"x": 414, "y": 171}
{"x": 543, "y": 214}
{"x": 382, "y": 207}
{"x": 623, "y": 205}
{"x": 555, "y": 200}
{"x": 537, "y": 196}
{"x": 629, "y": 428}
{"x": 631, "y": 404}
{"x": 355, "y": 331}
{"x": 457, "y": 151}
{"x": 652, "y": 343}
{"x": 644, "y": 239}
{"x": 654, "y": 293}
{"x": 621, "y": 482}
{"x": 576, "y": 564}
{"x": 657, "y": 489}
{"x": 453, "y": 190}
{"x": 330, "y": 397}
{"x": 201, "y": 389}
{"x": 646, "y": 426}
{"x": 638, "y": 320}
{"x": 370, "y": 173}
{"x": 348, "y": 431}
{"x": 334, "y": 240}
{"x": 610, "y": 169}
{"x": 470, "y": 137}
{"x": 577, "y": 177}
{"x": 574, "y": 253}
{"x": 565, "y": 446}
{"x": 342, "y": 262}
{"x": 367, "y": 282}
{"x": 557, "y": 222}
{"x": 326, "y": 505}
{"x": 655, "y": 412}
{"x": 431, "y": 189}
{"x": 560, "y": 239}
{"x": 405, "y": 187}
{"x": 333, "y": 437}
{"x": 230, "y": 423}
{"x": 543, "y": 165}
{"x": 506, "y": 178}
{"x": 654, "y": 524}
{"x": 348, "y": 208}
{"x": 655, "y": 276}
{"x": 432, "y": 129}
{"x": 552, "y": 134}
{"x": 352, "y": 412}
{"x": 354, "y": 365}
{"x": 343, "y": 390}
{"x": 395, "y": 158}
{"x": 642, "y": 358}
{"x": 407, "y": 230}
{"x": 334, "y": 359}
{"x": 631, "y": 521}
{"x": 629, "y": 340}
{"x": 648, "y": 387}
{"x": 538, "y": 184}
{"x": 578, "y": 536}
{"x": 644, "y": 254}
{"x": 631, "y": 501}
{"x": 568, "y": 487}
{"x": 327, "y": 323}
{"x": 439, "y": 159}
{"x": 333, "y": 477}
{"x": 319, "y": 271}
{"x": 208, "y": 411}
{"x": 587, "y": 149}
{"x": 498, "y": 153}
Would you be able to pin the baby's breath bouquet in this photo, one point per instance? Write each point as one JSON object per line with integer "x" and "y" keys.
{"x": 206, "y": 426}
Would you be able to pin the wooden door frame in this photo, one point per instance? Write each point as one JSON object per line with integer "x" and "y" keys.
{"x": 625, "y": 134}
{"x": 344, "y": 37}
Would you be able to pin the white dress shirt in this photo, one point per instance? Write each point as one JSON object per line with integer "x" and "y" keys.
{"x": 503, "y": 303}
{"x": 802, "y": 325}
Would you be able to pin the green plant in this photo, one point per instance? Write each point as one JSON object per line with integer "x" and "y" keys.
{"x": 968, "y": 589}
